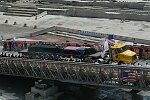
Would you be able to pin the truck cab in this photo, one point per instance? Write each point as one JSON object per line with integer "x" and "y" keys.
{"x": 120, "y": 54}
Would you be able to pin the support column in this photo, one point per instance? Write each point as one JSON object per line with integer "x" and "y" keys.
{"x": 144, "y": 95}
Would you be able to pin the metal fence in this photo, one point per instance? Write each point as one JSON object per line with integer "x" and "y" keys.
{"x": 79, "y": 73}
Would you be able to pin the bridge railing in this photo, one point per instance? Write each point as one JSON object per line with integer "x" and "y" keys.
{"x": 79, "y": 73}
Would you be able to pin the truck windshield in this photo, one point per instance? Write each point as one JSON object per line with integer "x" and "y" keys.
{"x": 120, "y": 50}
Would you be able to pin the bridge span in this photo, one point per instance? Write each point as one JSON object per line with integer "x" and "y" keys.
{"x": 78, "y": 72}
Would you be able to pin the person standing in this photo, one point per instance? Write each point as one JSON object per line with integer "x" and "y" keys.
{"x": 140, "y": 52}
{"x": 146, "y": 53}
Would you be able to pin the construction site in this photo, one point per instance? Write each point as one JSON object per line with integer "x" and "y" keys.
{"x": 74, "y": 50}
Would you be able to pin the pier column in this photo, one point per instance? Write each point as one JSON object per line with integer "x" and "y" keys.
{"x": 144, "y": 95}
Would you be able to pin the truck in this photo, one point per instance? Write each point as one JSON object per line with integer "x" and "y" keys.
{"x": 118, "y": 53}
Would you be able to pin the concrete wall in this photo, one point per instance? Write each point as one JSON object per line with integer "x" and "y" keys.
{"x": 101, "y": 14}
{"x": 102, "y": 35}
{"x": 3, "y": 7}
{"x": 131, "y": 5}
{"x": 52, "y": 12}
{"x": 97, "y": 13}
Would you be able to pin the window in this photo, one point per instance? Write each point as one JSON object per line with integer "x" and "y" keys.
{"x": 120, "y": 50}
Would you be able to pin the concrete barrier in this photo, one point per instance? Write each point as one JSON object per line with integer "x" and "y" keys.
{"x": 3, "y": 6}
{"x": 11, "y": 36}
{"x": 43, "y": 31}
{"x": 131, "y": 5}
{"x": 41, "y": 15}
{"x": 105, "y": 13}
{"x": 102, "y": 35}
{"x": 75, "y": 31}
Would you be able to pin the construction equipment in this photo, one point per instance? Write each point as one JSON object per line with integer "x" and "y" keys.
{"x": 119, "y": 53}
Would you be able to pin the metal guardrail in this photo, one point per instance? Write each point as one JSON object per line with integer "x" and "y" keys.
{"x": 79, "y": 73}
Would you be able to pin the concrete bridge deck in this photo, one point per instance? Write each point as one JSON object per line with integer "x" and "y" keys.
{"x": 78, "y": 73}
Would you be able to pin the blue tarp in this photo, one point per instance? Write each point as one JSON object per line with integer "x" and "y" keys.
{"x": 110, "y": 37}
{"x": 125, "y": 74}
{"x": 81, "y": 50}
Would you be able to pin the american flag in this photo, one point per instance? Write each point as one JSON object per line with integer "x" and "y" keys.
{"x": 129, "y": 76}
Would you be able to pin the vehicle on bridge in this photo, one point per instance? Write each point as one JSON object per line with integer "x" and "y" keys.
{"x": 47, "y": 51}
{"x": 116, "y": 53}
{"x": 120, "y": 54}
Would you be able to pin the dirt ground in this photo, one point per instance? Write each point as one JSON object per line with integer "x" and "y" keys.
{"x": 53, "y": 38}
{"x": 9, "y": 29}
{"x": 134, "y": 29}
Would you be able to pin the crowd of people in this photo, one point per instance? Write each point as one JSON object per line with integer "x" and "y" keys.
{"x": 46, "y": 57}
